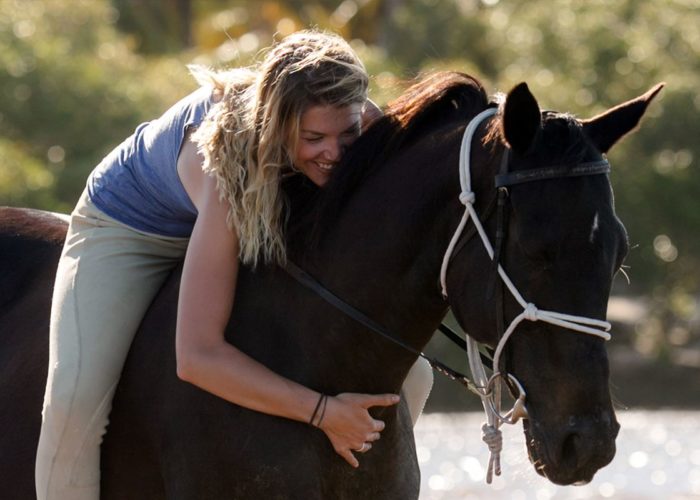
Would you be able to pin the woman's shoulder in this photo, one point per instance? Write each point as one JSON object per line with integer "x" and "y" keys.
{"x": 189, "y": 111}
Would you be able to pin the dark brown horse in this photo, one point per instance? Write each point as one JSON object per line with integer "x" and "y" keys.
{"x": 375, "y": 236}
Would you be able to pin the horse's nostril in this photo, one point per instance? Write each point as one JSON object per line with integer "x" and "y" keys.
{"x": 570, "y": 450}
{"x": 587, "y": 447}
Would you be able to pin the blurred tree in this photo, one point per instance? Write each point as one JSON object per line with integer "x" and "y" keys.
{"x": 23, "y": 179}
{"x": 71, "y": 89}
{"x": 156, "y": 27}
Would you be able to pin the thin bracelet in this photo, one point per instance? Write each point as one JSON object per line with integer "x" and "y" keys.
{"x": 323, "y": 411}
{"x": 318, "y": 405}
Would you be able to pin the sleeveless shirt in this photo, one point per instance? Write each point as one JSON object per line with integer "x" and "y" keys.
{"x": 137, "y": 183}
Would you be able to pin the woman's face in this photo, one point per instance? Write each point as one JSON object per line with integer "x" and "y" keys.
{"x": 325, "y": 132}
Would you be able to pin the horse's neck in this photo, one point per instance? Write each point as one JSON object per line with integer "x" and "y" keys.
{"x": 384, "y": 255}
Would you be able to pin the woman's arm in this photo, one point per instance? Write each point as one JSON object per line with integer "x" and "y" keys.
{"x": 205, "y": 359}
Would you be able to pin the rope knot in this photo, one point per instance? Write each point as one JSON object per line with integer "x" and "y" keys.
{"x": 531, "y": 312}
{"x": 492, "y": 437}
{"x": 467, "y": 197}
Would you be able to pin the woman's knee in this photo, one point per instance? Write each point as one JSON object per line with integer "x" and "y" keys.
{"x": 417, "y": 386}
{"x": 82, "y": 410}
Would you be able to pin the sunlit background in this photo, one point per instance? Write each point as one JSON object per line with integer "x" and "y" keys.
{"x": 658, "y": 458}
{"x": 77, "y": 76}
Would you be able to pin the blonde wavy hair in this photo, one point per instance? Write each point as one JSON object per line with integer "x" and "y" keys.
{"x": 247, "y": 140}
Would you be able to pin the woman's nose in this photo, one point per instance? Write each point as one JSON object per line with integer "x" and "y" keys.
{"x": 334, "y": 151}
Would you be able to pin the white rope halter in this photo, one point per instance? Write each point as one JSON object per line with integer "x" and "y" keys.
{"x": 489, "y": 389}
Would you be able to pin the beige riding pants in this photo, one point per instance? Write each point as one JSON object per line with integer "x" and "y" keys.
{"x": 107, "y": 277}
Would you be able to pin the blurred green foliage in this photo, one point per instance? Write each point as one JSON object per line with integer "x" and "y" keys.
{"x": 77, "y": 76}
{"x": 70, "y": 89}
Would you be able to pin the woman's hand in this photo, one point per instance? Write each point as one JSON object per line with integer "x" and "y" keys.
{"x": 348, "y": 424}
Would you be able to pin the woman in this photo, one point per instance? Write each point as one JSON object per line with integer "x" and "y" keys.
{"x": 203, "y": 182}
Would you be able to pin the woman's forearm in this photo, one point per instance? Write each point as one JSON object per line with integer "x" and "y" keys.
{"x": 206, "y": 298}
{"x": 227, "y": 372}
{"x": 205, "y": 359}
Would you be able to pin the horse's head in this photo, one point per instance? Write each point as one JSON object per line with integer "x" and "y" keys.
{"x": 563, "y": 244}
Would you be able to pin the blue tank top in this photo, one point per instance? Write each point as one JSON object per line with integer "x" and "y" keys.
{"x": 137, "y": 183}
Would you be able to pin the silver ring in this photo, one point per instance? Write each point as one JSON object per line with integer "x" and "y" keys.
{"x": 362, "y": 448}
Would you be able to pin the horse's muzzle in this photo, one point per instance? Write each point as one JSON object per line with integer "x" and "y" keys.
{"x": 571, "y": 452}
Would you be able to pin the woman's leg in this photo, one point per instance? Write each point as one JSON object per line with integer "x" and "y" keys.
{"x": 107, "y": 277}
{"x": 416, "y": 387}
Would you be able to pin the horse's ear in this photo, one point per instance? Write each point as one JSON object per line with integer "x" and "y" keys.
{"x": 609, "y": 127}
{"x": 521, "y": 118}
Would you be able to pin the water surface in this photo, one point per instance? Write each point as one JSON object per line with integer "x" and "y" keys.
{"x": 658, "y": 457}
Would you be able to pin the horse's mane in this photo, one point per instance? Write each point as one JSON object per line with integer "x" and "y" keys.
{"x": 440, "y": 98}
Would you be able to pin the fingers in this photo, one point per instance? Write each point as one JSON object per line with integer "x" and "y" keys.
{"x": 363, "y": 448}
{"x": 371, "y": 400}
{"x": 348, "y": 453}
{"x": 378, "y": 425}
{"x": 349, "y": 457}
{"x": 349, "y": 425}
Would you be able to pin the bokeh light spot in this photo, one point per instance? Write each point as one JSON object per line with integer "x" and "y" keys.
{"x": 56, "y": 154}
{"x": 638, "y": 459}
{"x": 665, "y": 249}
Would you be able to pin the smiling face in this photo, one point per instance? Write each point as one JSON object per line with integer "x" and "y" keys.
{"x": 325, "y": 131}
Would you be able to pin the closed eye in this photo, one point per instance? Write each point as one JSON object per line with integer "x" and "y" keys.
{"x": 313, "y": 139}
{"x": 353, "y": 129}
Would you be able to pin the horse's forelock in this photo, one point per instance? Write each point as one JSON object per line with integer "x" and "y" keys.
{"x": 562, "y": 140}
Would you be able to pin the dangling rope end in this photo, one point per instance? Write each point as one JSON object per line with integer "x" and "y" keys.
{"x": 493, "y": 437}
